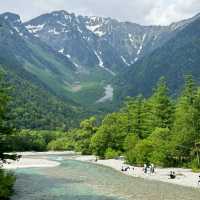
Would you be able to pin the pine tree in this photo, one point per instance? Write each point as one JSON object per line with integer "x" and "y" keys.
{"x": 136, "y": 113}
{"x": 161, "y": 107}
{"x": 186, "y": 124}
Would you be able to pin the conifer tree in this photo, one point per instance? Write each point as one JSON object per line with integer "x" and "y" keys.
{"x": 136, "y": 113}
{"x": 186, "y": 124}
{"x": 161, "y": 107}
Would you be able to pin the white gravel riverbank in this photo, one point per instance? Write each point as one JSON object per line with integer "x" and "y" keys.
{"x": 185, "y": 177}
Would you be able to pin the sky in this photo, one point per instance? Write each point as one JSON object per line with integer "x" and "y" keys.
{"x": 146, "y": 12}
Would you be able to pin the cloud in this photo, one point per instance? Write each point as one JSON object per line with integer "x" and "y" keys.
{"x": 139, "y": 11}
{"x": 165, "y": 12}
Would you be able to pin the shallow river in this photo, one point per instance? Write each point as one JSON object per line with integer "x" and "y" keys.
{"x": 75, "y": 180}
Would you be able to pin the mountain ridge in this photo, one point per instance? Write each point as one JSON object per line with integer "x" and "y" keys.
{"x": 79, "y": 59}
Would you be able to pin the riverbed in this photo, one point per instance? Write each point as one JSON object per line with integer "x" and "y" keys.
{"x": 77, "y": 180}
{"x": 108, "y": 94}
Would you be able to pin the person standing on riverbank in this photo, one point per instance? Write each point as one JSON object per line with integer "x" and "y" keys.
{"x": 152, "y": 169}
{"x": 145, "y": 168}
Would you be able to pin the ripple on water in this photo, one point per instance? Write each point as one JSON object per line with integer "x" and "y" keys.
{"x": 75, "y": 180}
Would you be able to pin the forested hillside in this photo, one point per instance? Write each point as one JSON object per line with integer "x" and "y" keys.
{"x": 33, "y": 107}
{"x": 35, "y": 104}
{"x": 178, "y": 57}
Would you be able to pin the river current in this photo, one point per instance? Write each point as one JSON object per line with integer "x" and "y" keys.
{"x": 76, "y": 180}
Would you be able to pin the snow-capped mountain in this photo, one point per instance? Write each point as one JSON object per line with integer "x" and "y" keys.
{"x": 97, "y": 41}
{"x": 79, "y": 56}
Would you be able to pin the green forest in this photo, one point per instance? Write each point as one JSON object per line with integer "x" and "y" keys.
{"x": 158, "y": 129}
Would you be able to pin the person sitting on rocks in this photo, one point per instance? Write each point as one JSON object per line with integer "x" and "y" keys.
{"x": 172, "y": 175}
{"x": 127, "y": 168}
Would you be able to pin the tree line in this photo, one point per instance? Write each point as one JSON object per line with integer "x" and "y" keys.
{"x": 157, "y": 129}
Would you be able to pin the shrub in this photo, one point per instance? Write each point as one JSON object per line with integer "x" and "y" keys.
{"x": 194, "y": 165}
{"x": 59, "y": 145}
{"x": 110, "y": 153}
{"x": 7, "y": 181}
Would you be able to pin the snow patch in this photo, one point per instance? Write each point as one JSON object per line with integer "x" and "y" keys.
{"x": 96, "y": 30}
{"x": 76, "y": 65}
{"x": 92, "y": 28}
{"x": 35, "y": 28}
{"x": 68, "y": 17}
{"x": 16, "y": 28}
{"x": 69, "y": 57}
{"x": 62, "y": 24}
{"x": 61, "y": 51}
{"x": 100, "y": 33}
{"x": 54, "y": 31}
{"x": 141, "y": 45}
{"x": 124, "y": 60}
{"x": 101, "y": 64}
{"x": 132, "y": 40}
{"x": 78, "y": 28}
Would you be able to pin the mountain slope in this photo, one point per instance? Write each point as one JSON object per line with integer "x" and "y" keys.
{"x": 35, "y": 104}
{"x": 101, "y": 42}
{"x": 100, "y": 48}
{"x": 54, "y": 70}
{"x": 96, "y": 41}
{"x": 178, "y": 57}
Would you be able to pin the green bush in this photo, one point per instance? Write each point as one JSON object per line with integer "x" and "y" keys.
{"x": 131, "y": 156}
{"x": 110, "y": 153}
{"x": 194, "y": 165}
{"x": 59, "y": 145}
{"x": 7, "y": 181}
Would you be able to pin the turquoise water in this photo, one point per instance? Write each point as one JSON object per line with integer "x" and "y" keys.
{"x": 75, "y": 180}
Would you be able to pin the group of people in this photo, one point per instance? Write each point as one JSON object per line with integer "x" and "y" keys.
{"x": 146, "y": 169}
{"x": 149, "y": 168}
{"x": 124, "y": 169}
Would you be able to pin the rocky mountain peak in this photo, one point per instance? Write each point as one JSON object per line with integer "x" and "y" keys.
{"x": 11, "y": 17}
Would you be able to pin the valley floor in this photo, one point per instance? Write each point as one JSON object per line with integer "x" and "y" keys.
{"x": 185, "y": 177}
